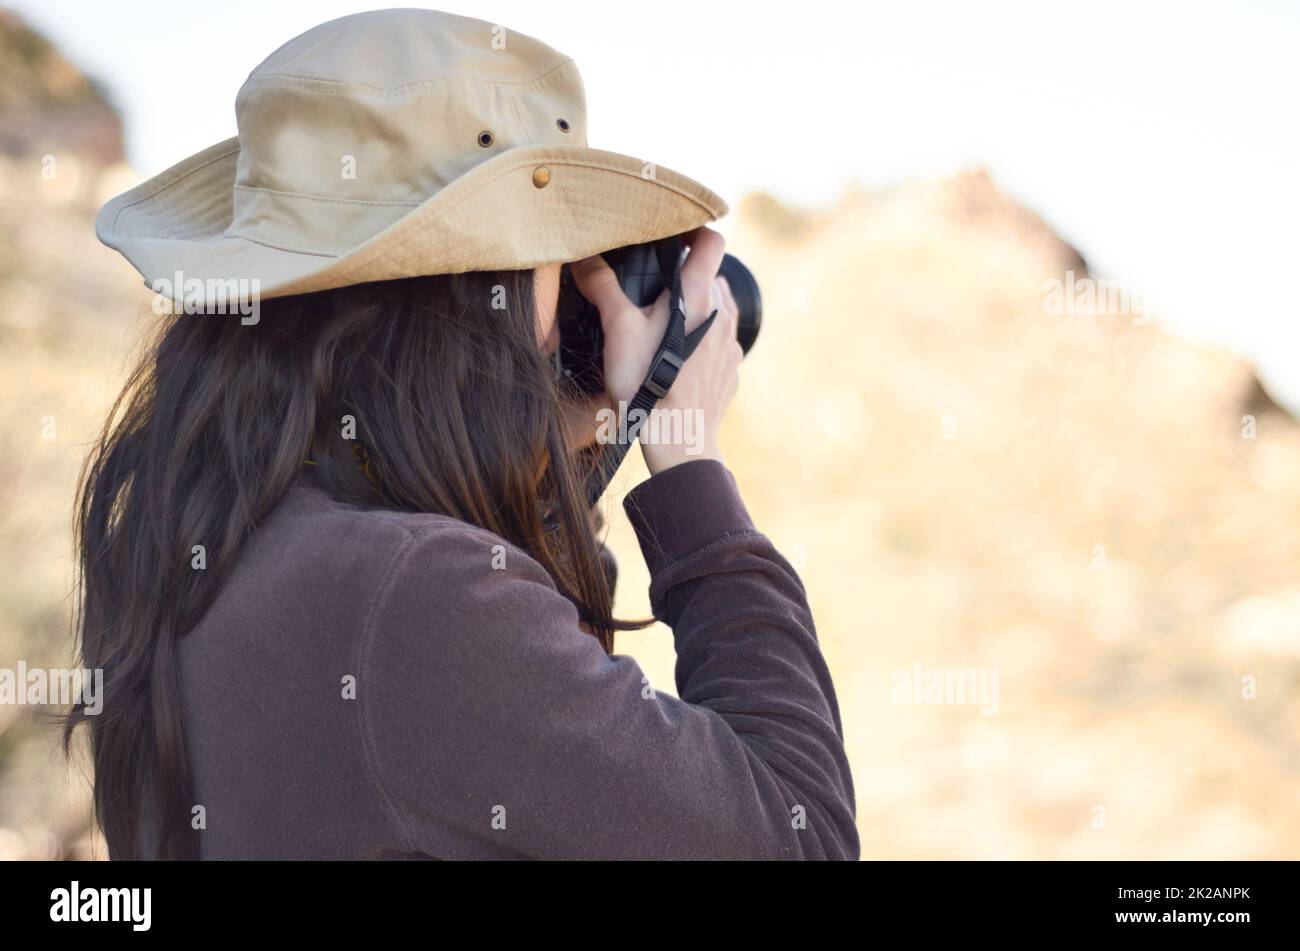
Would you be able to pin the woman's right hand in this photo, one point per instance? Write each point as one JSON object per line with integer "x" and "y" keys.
{"x": 710, "y": 376}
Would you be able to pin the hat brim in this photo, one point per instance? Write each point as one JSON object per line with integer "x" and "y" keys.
{"x": 491, "y": 218}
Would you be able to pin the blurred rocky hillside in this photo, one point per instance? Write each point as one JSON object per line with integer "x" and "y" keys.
{"x": 66, "y": 315}
{"x": 1098, "y": 512}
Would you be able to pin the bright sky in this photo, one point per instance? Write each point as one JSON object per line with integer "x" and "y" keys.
{"x": 1159, "y": 138}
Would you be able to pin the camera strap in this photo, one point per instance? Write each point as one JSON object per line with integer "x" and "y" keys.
{"x": 673, "y": 351}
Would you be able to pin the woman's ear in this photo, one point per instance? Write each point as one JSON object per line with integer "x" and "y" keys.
{"x": 546, "y": 291}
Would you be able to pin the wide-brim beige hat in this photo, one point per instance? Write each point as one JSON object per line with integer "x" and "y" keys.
{"x": 394, "y": 144}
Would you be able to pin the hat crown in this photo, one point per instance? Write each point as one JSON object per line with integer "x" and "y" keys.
{"x": 385, "y": 49}
{"x": 369, "y": 115}
{"x": 361, "y": 157}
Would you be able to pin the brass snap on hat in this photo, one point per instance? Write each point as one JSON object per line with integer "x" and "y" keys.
{"x": 393, "y": 144}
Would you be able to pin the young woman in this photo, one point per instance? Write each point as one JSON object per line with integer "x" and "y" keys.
{"x": 337, "y": 562}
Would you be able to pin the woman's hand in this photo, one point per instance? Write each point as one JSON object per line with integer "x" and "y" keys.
{"x": 709, "y": 378}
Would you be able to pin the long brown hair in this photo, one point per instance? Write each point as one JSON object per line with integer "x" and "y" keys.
{"x": 454, "y": 410}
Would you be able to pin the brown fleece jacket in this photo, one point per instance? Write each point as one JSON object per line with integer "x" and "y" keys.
{"x": 373, "y": 684}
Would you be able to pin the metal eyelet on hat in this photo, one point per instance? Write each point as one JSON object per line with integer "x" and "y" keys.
{"x": 485, "y": 138}
{"x": 541, "y": 176}
{"x": 563, "y": 124}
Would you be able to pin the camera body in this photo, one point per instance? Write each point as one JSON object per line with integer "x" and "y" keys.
{"x": 640, "y": 272}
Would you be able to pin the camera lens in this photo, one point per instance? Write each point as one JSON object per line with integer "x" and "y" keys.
{"x": 744, "y": 288}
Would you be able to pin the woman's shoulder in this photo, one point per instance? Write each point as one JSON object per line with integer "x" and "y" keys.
{"x": 370, "y": 545}
{"x": 398, "y": 578}
{"x": 321, "y": 576}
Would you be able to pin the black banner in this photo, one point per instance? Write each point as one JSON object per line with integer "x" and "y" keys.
{"x": 1166, "y": 901}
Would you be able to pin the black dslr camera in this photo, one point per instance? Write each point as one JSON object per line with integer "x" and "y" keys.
{"x": 639, "y": 269}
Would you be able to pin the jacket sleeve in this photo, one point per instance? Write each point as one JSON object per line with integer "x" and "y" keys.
{"x": 495, "y": 726}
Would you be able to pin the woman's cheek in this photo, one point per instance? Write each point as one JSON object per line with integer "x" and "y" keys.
{"x": 552, "y": 336}
{"x": 547, "y": 283}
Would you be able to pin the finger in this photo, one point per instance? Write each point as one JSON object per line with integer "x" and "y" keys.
{"x": 708, "y": 333}
{"x": 728, "y": 298}
{"x": 701, "y": 267}
{"x": 729, "y": 305}
{"x": 690, "y": 237}
{"x": 717, "y": 303}
{"x": 598, "y": 283}
{"x": 724, "y": 324}
{"x": 718, "y": 331}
